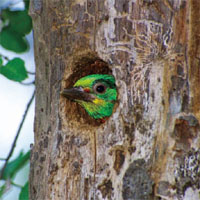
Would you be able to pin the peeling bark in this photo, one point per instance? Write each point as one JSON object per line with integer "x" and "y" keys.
{"x": 149, "y": 147}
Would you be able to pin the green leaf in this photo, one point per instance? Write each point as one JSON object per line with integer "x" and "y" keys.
{"x": 13, "y": 41}
{"x": 19, "y": 21}
{"x": 14, "y": 70}
{"x": 1, "y": 61}
{"x": 2, "y": 189}
{"x": 14, "y": 166}
{"x": 26, "y": 2}
{"x": 24, "y": 194}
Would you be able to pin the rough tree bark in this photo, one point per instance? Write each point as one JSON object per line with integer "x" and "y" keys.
{"x": 149, "y": 147}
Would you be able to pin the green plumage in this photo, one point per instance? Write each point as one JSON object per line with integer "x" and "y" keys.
{"x": 97, "y": 93}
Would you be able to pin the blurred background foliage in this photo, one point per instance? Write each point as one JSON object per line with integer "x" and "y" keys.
{"x": 15, "y": 24}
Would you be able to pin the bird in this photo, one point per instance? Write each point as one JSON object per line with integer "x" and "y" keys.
{"x": 96, "y": 93}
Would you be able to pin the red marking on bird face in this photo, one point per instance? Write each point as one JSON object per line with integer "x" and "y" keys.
{"x": 87, "y": 90}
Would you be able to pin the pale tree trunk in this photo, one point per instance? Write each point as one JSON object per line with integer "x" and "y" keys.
{"x": 149, "y": 147}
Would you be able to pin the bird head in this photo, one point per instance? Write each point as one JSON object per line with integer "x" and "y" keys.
{"x": 96, "y": 93}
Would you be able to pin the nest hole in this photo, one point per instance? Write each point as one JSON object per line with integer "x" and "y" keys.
{"x": 82, "y": 65}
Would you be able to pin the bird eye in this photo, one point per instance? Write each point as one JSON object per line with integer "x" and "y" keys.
{"x": 99, "y": 88}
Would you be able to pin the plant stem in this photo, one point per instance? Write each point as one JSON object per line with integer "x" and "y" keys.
{"x": 17, "y": 135}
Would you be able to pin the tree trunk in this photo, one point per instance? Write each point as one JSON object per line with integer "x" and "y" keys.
{"x": 149, "y": 147}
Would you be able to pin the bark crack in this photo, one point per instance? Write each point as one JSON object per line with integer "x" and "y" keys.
{"x": 95, "y": 162}
{"x": 95, "y": 25}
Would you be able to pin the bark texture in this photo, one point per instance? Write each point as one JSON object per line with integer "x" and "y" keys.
{"x": 149, "y": 147}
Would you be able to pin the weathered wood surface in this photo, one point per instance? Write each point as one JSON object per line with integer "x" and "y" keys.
{"x": 149, "y": 148}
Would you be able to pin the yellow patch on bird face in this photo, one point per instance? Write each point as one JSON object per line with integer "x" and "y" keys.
{"x": 98, "y": 101}
{"x": 84, "y": 82}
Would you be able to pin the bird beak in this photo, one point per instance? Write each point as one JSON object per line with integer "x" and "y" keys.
{"x": 77, "y": 93}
